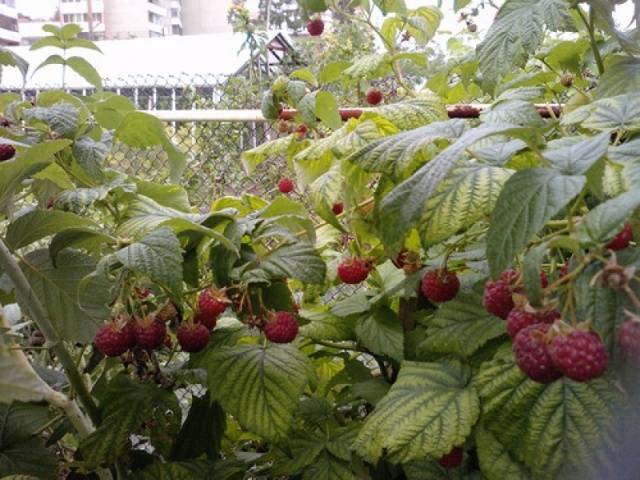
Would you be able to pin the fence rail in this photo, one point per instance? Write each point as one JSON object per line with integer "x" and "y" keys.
{"x": 213, "y": 141}
{"x": 471, "y": 110}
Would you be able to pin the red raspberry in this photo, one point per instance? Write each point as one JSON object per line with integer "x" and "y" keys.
{"x": 452, "y": 459}
{"x": 286, "y": 185}
{"x": 374, "y": 96}
{"x": 7, "y": 152}
{"x": 510, "y": 276}
{"x": 579, "y": 354}
{"x": 440, "y": 285}
{"x": 629, "y": 339}
{"x": 337, "y": 208}
{"x": 622, "y": 240}
{"x": 497, "y": 298}
{"x": 315, "y": 27}
{"x": 354, "y": 270}
{"x": 519, "y": 319}
{"x": 193, "y": 337}
{"x": 208, "y": 321}
{"x": 142, "y": 293}
{"x": 149, "y": 333}
{"x": 544, "y": 280}
{"x": 301, "y": 131}
{"x": 281, "y": 328}
{"x": 212, "y": 302}
{"x": 548, "y": 316}
{"x": 113, "y": 340}
{"x": 401, "y": 259}
{"x": 532, "y": 356}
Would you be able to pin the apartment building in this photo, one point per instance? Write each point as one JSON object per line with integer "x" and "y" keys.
{"x": 176, "y": 17}
{"x": 111, "y": 19}
{"x": 205, "y": 16}
{"x": 9, "y": 34}
{"x": 138, "y": 18}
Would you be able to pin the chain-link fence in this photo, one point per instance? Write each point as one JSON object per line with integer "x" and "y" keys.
{"x": 213, "y": 149}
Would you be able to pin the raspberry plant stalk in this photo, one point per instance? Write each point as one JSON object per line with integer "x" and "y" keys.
{"x": 35, "y": 310}
{"x": 418, "y": 297}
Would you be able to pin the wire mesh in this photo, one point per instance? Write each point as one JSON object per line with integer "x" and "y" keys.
{"x": 213, "y": 149}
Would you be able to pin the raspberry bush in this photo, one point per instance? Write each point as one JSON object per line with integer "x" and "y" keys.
{"x": 453, "y": 299}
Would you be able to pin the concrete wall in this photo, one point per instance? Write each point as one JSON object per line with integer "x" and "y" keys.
{"x": 205, "y": 16}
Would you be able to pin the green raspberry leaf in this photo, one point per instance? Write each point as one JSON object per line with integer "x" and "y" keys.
{"x": 529, "y": 199}
{"x": 259, "y": 386}
{"x": 430, "y": 409}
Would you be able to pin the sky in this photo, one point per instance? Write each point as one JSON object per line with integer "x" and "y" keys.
{"x": 45, "y": 8}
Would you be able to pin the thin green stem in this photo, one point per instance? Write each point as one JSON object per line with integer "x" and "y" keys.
{"x": 574, "y": 207}
{"x": 578, "y": 89}
{"x": 338, "y": 346}
{"x": 589, "y": 23}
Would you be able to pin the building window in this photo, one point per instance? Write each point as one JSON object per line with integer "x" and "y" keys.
{"x": 8, "y": 23}
{"x": 175, "y": 13}
{"x": 155, "y": 18}
{"x": 72, "y": 18}
{"x": 176, "y": 29}
{"x": 97, "y": 17}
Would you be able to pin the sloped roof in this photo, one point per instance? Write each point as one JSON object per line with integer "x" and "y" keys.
{"x": 143, "y": 60}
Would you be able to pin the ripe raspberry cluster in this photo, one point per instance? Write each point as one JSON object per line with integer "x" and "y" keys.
{"x": 124, "y": 333}
{"x": 545, "y": 348}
